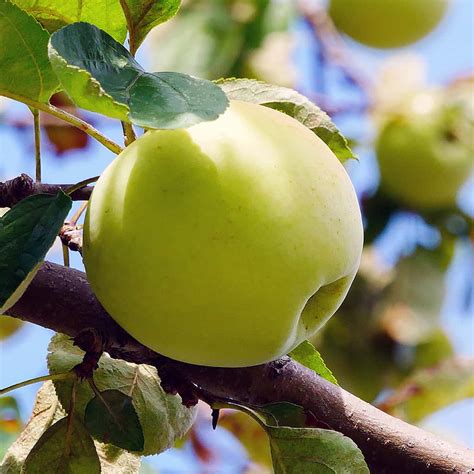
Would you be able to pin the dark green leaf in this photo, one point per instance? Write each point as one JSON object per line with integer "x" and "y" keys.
{"x": 307, "y": 355}
{"x": 111, "y": 418}
{"x": 24, "y": 63}
{"x": 143, "y": 15}
{"x": 63, "y": 449}
{"x": 314, "y": 451}
{"x": 293, "y": 104}
{"x": 54, "y": 14}
{"x": 100, "y": 75}
{"x": 27, "y": 231}
{"x": 283, "y": 414}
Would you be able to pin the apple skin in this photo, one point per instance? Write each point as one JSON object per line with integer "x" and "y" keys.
{"x": 387, "y": 24}
{"x": 426, "y": 153}
{"x": 225, "y": 244}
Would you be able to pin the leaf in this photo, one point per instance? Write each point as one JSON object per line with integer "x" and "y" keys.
{"x": 314, "y": 450}
{"x": 111, "y": 418}
{"x": 27, "y": 232}
{"x": 53, "y": 14}
{"x": 100, "y": 75}
{"x": 162, "y": 416}
{"x": 307, "y": 355}
{"x": 10, "y": 423}
{"x": 65, "y": 447}
{"x": 143, "y": 15}
{"x": 293, "y": 104}
{"x": 430, "y": 389}
{"x": 46, "y": 411}
{"x": 26, "y": 70}
{"x": 9, "y": 326}
{"x": 283, "y": 414}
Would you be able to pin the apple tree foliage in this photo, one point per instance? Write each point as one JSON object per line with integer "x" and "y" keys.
{"x": 108, "y": 424}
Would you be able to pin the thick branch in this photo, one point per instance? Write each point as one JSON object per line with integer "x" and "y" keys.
{"x": 16, "y": 189}
{"x": 60, "y": 298}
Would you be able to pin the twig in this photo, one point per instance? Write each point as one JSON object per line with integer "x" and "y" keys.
{"x": 36, "y": 121}
{"x": 67, "y": 117}
{"x": 16, "y": 189}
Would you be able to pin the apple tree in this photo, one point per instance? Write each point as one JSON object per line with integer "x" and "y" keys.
{"x": 223, "y": 237}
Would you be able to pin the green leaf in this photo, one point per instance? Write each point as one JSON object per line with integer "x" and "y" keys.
{"x": 27, "y": 232}
{"x": 53, "y": 14}
{"x": 162, "y": 416}
{"x": 64, "y": 447}
{"x": 24, "y": 62}
{"x": 100, "y": 75}
{"x": 293, "y": 104}
{"x": 46, "y": 411}
{"x": 307, "y": 355}
{"x": 314, "y": 451}
{"x": 143, "y": 15}
{"x": 111, "y": 418}
{"x": 430, "y": 389}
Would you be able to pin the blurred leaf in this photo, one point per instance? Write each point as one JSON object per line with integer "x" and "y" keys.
{"x": 314, "y": 450}
{"x": 143, "y": 15}
{"x": 53, "y": 15}
{"x": 202, "y": 40}
{"x": 410, "y": 311}
{"x": 24, "y": 62}
{"x": 431, "y": 389}
{"x": 65, "y": 447}
{"x": 307, "y": 355}
{"x": 111, "y": 418}
{"x": 162, "y": 416}
{"x": 9, "y": 326}
{"x": 100, "y": 75}
{"x": 252, "y": 436}
{"x": 27, "y": 232}
{"x": 433, "y": 350}
{"x": 46, "y": 411}
{"x": 10, "y": 423}
{"x": 62, "y": 135}
{"x": 293, "y": 104}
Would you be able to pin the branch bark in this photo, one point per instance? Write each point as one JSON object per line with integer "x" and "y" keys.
{"x": 60, "y": 298}
{"x": 16, "y": 189}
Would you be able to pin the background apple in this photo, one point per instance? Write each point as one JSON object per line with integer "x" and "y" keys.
{"x": 225, "y": 244}
{"x": 425, "y": 151}
{"x": 387, "y": 24}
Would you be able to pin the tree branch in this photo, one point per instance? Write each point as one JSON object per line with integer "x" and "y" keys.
{"x": 60, "y": 298}
{"x": 16, "y": 189}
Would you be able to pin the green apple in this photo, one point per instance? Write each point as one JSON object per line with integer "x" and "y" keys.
{"x": 225, "y": 244}
{"x": 387, "y": 23}
{"x": 426, "y": 152}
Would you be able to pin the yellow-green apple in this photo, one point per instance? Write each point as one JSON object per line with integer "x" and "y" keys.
{"x": 225, "y": 244}
{"x": 426, "y": 151}
{"x": 387, "y": 23}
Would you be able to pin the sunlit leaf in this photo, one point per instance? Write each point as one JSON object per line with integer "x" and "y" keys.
{"x": 24, "y": 64}
{"x": 293, "y": 104}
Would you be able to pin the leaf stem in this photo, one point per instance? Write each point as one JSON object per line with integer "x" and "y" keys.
{"x": 43, "y": 378}
{"x": 78, "y": 213}
{"x": 132, "y": 45}
{"x": 67, "y": 117}
{"x": 66, "y": 260}
{"x": 36, "y": 121}
{"x": 128, "y": 133}
{"x": 81, "y": 184}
